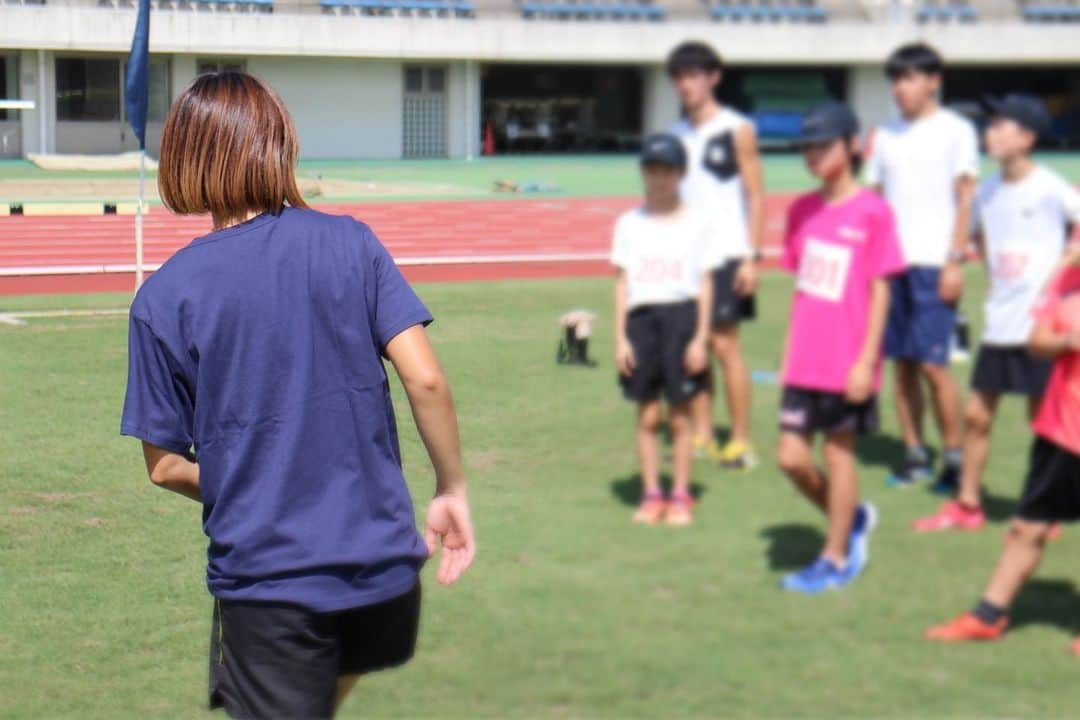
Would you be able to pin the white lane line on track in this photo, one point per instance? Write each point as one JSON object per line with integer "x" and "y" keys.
{"x": 512, "y": 259}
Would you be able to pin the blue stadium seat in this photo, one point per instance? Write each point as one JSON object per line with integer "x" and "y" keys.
{"x": 654, "y": 12}
{"x": 443, "y": 8}
{"x": 1051, "y": 12}
{"x": 603, "y": 10}
{"x": 954, "y": 11}
{"x": 733, "y": 11}
{"x": 927, "y": 13}
{"x": 765, "y": 10}
{"x": 260, "y": 3}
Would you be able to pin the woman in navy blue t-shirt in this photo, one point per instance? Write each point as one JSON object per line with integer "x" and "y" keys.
{"x": 257, "y": 386}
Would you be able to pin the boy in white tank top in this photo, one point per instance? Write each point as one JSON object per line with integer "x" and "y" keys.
{"x": 724, "y": 180}
{"x": 1020, "y": 220}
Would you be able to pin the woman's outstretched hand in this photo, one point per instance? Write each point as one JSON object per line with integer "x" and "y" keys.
{"x": 449, "y": 524}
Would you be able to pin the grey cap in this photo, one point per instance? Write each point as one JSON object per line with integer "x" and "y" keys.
{"x": 663, "y": 149}
{"x": 826, "y": 121}
{"x": 1027, "y": 110}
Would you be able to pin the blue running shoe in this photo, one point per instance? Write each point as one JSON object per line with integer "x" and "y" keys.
{"x": 948, "y": 482}
{"x": 911, "y": 473}
{"x": 817, "y": 577}
{"x": 866, "y": 519}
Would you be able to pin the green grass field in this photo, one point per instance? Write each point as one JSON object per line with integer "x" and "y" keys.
{"x": 570, "y": 611}
{"x": 473, "y": 179}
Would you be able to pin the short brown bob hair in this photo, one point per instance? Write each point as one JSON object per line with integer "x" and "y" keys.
{"x": 228, "y": 148}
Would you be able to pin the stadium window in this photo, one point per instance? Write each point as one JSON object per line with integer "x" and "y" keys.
{"x": 436, "y": 80}
{"x": 210, "y": 65}
{"x": 414, "y": 79}
{"x": 88, "y": 89}
{"x": 159, "y": 90}
{"x": 424, "y": 112}
{"x": 8, "y": 84}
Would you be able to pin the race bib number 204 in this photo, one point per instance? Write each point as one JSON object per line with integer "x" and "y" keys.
{"x": 824, "y": 269}
{"x": 659, "y": 270}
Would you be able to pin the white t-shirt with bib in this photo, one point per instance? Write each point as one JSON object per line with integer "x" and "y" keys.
{"x": 664, "y": 256}
{"x": 1024, "y": 234}
{"x": 917, "y": 163}
{"x": 713, "y": 183}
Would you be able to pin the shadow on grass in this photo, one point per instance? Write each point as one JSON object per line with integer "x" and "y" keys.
{"x": 721, "y": 434}
{"x": 792, "y": 545}
{"x": 879, "y": 450}
{"x": 628, "y": 489}
{"x": 997, "y": 507}
{"x": 1048, "y": 602}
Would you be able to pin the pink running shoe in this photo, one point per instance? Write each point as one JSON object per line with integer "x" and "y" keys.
{"x": 951, "y": 516}
{"x": 651, "y": 510}
{"x": 680, "y": 510}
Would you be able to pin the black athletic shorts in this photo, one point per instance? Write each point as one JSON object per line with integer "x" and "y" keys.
{"x": 1010, "y": 370}
{"x": 659, "y": 335}
{"x": 808, "y": 411}
{"x": 1052, "y": 488}
{"x": 729, "y": 307}
{"x": 276, "y": 660}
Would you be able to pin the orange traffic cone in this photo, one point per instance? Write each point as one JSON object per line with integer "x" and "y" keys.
{"x": 489, "y": 140}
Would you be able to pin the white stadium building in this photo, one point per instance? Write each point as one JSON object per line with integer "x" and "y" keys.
{"x": 435, "y": 78}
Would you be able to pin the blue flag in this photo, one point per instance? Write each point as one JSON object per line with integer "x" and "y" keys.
{"x": 137, "y": 76}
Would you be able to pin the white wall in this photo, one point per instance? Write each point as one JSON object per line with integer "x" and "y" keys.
{"x": 37, "y": 68}
{"x": 661, "y": 103}
{"x": 104, "y": 137}
{"x": 182, "y": 72}
{"x": 342, "y": 107}
{"x": 869, "y": 95}
{"x": 463, "y": 109}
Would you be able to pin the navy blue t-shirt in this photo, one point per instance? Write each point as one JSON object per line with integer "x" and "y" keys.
{"x": 261, "y": 346}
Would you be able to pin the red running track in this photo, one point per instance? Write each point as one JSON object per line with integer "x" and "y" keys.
{"x": 434, "y": 241}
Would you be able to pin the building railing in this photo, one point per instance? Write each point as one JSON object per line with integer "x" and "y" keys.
{"x": 725, "y": 11}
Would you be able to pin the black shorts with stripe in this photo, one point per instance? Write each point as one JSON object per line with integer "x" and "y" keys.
{"x": 806, "y": 412}
{"x": 659, "y": 335}
{"x": 729, "y": 307}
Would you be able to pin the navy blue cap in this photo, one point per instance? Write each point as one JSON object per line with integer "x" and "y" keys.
{"x": 1027, "y": 110}
{"x": 826, "y": 121}
{"x": 663, "y": 149}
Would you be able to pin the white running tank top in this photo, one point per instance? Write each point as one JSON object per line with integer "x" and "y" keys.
{"x": 713, "y": 183}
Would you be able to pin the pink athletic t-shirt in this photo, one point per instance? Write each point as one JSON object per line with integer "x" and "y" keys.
{"x": 836, "y": 251}
{"x": 1059, "y": 415}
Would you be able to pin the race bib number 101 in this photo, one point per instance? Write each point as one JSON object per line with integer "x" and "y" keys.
{"x": 824, "y": 269}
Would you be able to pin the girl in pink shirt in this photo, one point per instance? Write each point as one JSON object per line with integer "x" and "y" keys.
{"x": 842, "y": 246}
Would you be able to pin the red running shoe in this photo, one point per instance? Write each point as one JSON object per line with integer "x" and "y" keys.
{"x": 951, "y": 516}
{"x": 967, "y": 627}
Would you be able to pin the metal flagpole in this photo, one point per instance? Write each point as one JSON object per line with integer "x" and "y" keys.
{"x": 139, "y": 221}
{"x": 136, "y": 98}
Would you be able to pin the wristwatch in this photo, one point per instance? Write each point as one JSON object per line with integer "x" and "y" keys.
{"x": 957, "y": 256}
{"x": 757, "y": 256}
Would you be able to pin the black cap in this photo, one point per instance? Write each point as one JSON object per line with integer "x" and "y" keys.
{"x": 827, "y": 121}
{"x": 663, "y": 149}
{"x": 1027, "y": 110}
